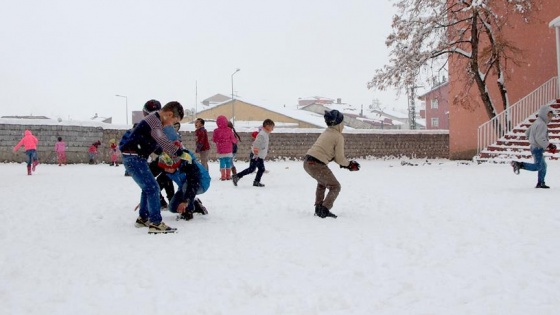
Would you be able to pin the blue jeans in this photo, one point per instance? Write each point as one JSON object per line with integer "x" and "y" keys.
{"x": 226, "y": 162}
{"x": 31, "y": 156}
{"x": 139, "y": 169}
{"x": 539, "y": 165}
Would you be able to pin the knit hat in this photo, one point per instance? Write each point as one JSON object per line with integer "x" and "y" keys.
{"x": 333, "y": 117}
{"x": 151, "y": 106}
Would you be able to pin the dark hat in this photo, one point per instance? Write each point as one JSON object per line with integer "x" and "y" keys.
{"x": 333, "y": 117}
{"x": 151, "y": 106}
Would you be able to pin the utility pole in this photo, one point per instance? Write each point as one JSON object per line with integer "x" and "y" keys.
{"x": 412, "y": 107}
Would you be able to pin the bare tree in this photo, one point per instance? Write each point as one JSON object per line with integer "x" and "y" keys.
{"x": 472, "y": 31}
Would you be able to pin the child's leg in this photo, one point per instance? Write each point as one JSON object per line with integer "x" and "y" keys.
{"x": 204, "y": 158}
{"x": 250, "y": 169}
{"x": 29, "y": 155}
{"x": 260, "y": 169}
{"x": 222, "y": 168}
{"x": 229, "y": 163}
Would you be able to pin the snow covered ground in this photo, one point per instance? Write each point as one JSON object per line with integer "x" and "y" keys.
{"x": 444, "y": 238}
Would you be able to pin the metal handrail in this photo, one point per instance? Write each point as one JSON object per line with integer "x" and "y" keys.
{"x": 494, "y": 129}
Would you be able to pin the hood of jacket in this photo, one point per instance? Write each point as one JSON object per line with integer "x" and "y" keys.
{"x": 27, "y": 133}
{"x": 543, "y": 113}
{"x": 222, "y": 121}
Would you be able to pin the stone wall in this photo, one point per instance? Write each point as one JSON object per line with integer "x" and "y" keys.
{"x": 284, "y": 145}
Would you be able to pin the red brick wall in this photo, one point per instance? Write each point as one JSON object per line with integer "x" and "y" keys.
{"x": 538, "y": 43}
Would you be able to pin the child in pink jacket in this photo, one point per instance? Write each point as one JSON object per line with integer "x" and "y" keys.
{"x": 60, "y": 149}
{"x": 29, "y": 142}
{"x": 224, "y": 139}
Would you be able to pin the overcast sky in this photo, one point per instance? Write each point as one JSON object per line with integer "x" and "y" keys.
{"x": 69, "y": 58}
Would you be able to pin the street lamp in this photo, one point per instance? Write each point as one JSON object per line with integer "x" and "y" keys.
{"x": 126, "y": 104}
{"x": 232, "y": 99}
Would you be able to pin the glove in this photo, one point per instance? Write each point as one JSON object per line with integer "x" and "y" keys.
{"x": 185, "y": 156}
{"x": 166, "y": 159}
{"x": 353, "y": 166}
{"x": 552, "y": 148}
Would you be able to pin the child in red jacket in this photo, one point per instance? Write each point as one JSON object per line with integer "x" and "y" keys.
{"x": 93, "y": 152}
{"x": 113, "y": 152}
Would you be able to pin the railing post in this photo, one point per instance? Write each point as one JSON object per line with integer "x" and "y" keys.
{"x": 556, "y": 25}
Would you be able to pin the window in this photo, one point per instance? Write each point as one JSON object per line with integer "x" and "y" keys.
{"x": 435, "y": 122}
{"x": 434, "y": 103}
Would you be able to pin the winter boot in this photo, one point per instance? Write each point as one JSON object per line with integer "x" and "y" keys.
{"x": 258, "y": 184}
{"x": 235, "y": 179}
{"x": 160, "y": 228}
{"x": 542, "y": 185}
{"x": 28, "y": 169}
{"x": 516, "y": 166}
{"x": 199, "y": 208}
{"x": 322, "y": 212}
{"x": 228, "y": 173}
{"x": 35, "y": 163}
{"x": 223, "y": 173}
{"x": 233, "y": 170}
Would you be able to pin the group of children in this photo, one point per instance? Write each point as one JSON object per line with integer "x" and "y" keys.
{"x": 175, "y": 163}
{"x": 29, "y": 142}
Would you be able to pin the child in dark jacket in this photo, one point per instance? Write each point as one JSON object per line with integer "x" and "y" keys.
{"x": 147, "y": 138}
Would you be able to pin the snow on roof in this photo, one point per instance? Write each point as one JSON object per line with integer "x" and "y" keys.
{"x": 302, "y": 115}
{"x": 368, "y": 114}
{"x": 315, "y": 98}
{"x": 48, "y": 121}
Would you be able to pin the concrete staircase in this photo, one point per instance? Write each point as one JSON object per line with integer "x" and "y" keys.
{"x": 515, "y": 146}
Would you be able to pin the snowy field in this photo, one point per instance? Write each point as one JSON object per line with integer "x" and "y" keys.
{"x": 446, "y": 238}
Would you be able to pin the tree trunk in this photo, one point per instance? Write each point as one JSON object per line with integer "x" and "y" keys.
{"x": 475, "y": 71}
